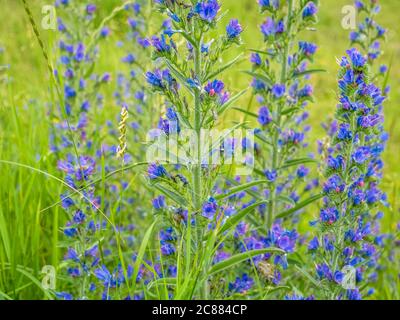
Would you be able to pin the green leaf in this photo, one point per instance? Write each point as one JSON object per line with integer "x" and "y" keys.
{"x": 240, "y": 258}
{"x": 226, "y": 105}
{"x": 307, "y": 72}
{"x": 286, "y": 199}
{"x": 172, "y": 195}
{"x": 162, "y": 281}
{"x": 181, "y": 77}
{"x": 261, "y": 77}
{"x": 308, "y": 276}
{"x": 299, "y": 206}
{"x": 296, "y": 162}
{"x": 236, "y": 218}
{"x": 249, "y": 113}
{"x": 223, "y": 68}
{"x": 237, "y": 189}
{"x": 141, "y": 252}
{"x": 232, "y": 100}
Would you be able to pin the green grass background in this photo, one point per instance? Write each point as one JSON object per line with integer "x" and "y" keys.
{"x": 29, "y": 238}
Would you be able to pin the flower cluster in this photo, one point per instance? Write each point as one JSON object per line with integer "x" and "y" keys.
{"x": 283, "y": 93}
{"x": 349, "y": 220}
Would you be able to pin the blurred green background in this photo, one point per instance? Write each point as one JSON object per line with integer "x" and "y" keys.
{"x": 28, "y": 237}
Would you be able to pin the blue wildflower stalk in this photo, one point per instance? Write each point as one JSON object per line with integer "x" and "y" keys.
{"x": 280, "y": 83}
{"x": 195, "y": 99}
{"x": 369, "y": 37}
{"x": 78, "y": 52}
{"x": 353, "y": 171}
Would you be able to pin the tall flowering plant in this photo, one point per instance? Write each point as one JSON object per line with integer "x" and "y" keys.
{"x": 345, "y": 249}
{"x": 196, "y": 98}
{"x": 83, "y": 157}
{"x": 368, "y": 37}
{"x": 280, "y": 83}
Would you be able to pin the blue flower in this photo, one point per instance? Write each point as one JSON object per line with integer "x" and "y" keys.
{"x": 159, "y": 202}
{"x": 278, "y": 90}
{"x": 234, "y": 29}
{"x": 353, "y": 294}
{"x": 334, "y": 185}
{"x": 313, "y": 244}
{"x": 310, "y": 10}
{"x": 69, "y": 92}
{"x": 255, "y": 59}
{"x": 356, "y": 58}
{"x": 155, "y": 79}
{"x": 271, "y": 175}
{"x": 264, "y": 116}
{"x": 156, "y": 171}
{"x": 160, "y": 44}
{"x": 269, "y": 4}
{"x": 130, "y": 58}
{"x": 214, "y": 87}
{"x": 344, "y": 132}
{"x": 79, "y": 217}
{"x": 91, "y": 8}
{"x": 241, "y": 285}
{"x": 307, "y": 48}
{"x": 167, "y": 249}
{"x": 329, "y": 215}
{"x": 210, "y": 208}
{"x": 338, "y": 276}
{"x": 207, "y": 10}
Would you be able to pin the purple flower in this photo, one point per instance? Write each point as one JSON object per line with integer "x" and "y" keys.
{"x": 310, "y": 10}
{"x": 155, "y": 79}
{"x": 156, "y": 171}
{"x": 313, "y": 244}
{"x": 307, "y": 48}
{"x": 160, "y": 44}
{"x": 334, "y": 185}
{"x": 214, "y": 87}
{"x": 207, "y": 10}
{"x": 91, "y": 8}
{"x": 159, "y": 202}
{"x": 278, "y": 90}
{"x": 329, "y": 215}
{"x": 264, "y": 116}
{"x": 255, "y": 59}
{"x": 209, "y": 208}
{"x": 271, "y": 175}
{"x": 234, "y": 29}
{"x": 269, "y": 4}
{"x": 356, "y": 58}
{"x": 241, "y": 285}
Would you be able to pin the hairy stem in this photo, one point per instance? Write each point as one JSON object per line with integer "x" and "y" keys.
{"x": 275, "y": 150}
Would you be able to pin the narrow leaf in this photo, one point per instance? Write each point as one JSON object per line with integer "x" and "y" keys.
{"x": 261, "y": 77}
{"x": 249, "y": 113}
{"x": 141, "y": 252}
{"x": 172, "y": 195}
{"x": 223, "y": 68}
{"x": 240, "y": 188}
{"x": 236, "y": 259}
{"x": 307, "y": 72}
{"x": 299, "y": 206}
{"x": 236, "y": 218}
{"x": 296, "y": 162}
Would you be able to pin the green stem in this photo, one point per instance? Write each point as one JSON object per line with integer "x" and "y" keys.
{"x": 275, "y": 151}
{"x": 197, "y": 191}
